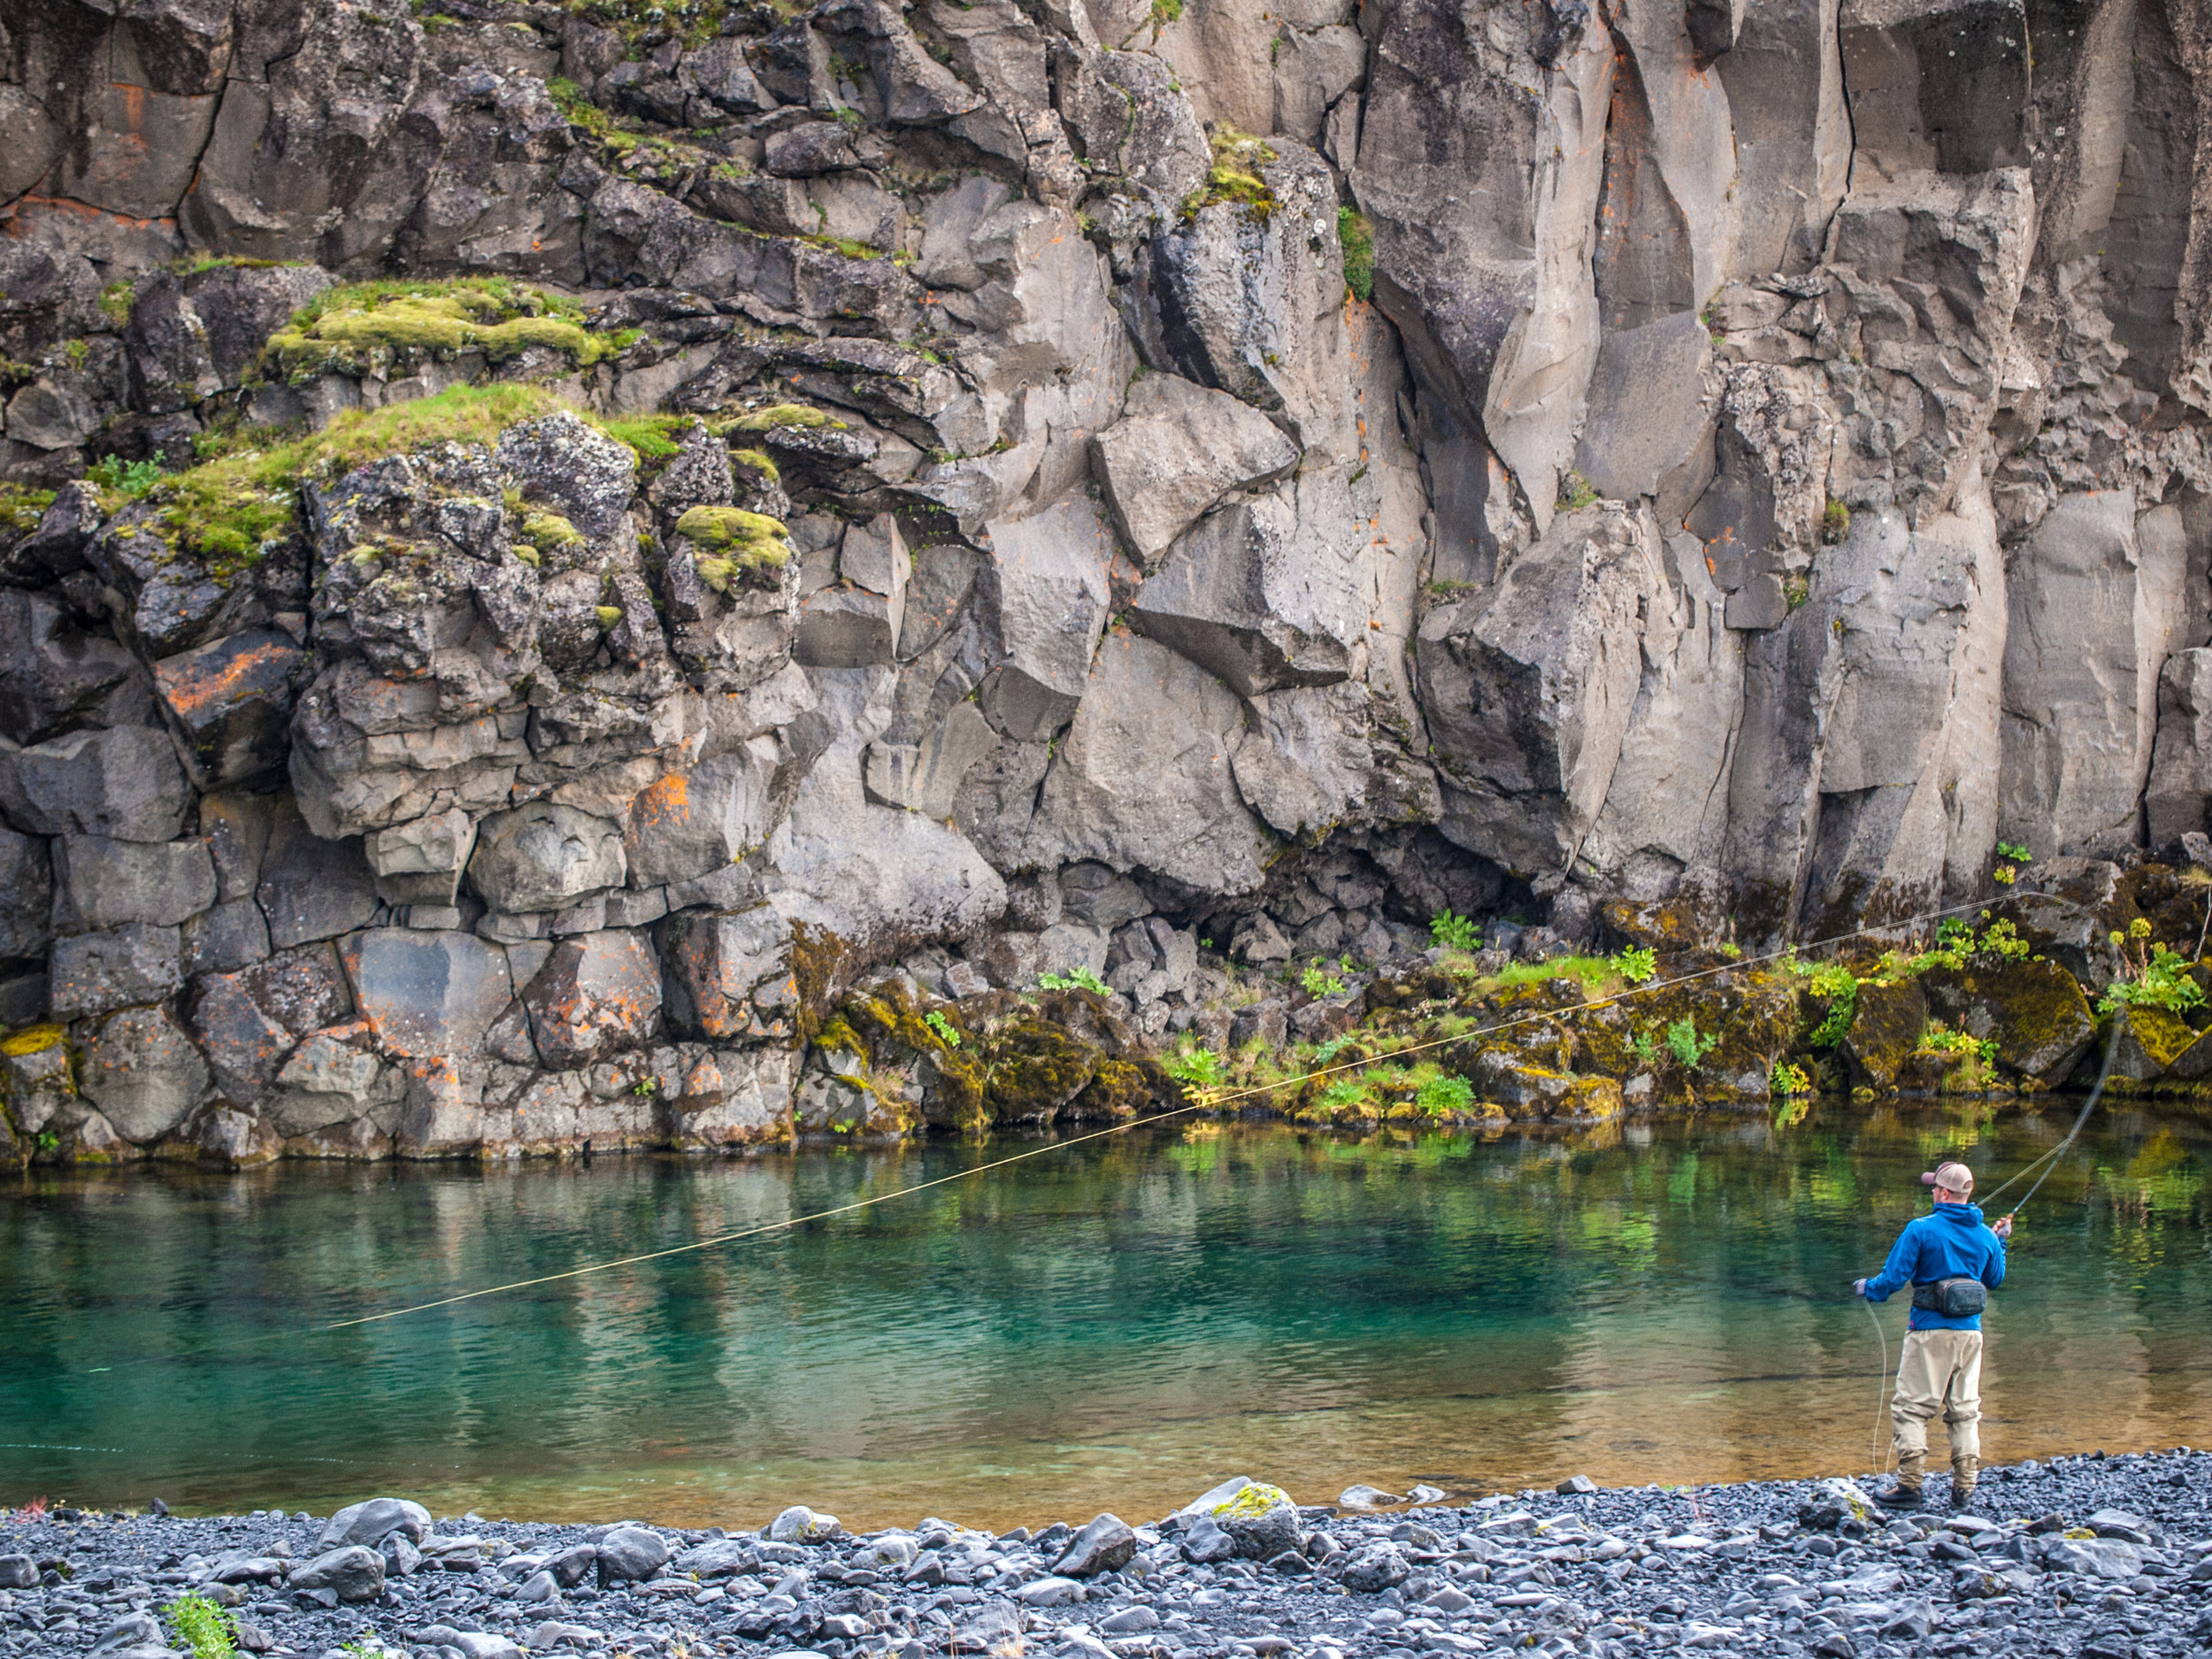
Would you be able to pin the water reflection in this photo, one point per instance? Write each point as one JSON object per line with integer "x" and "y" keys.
{"x": 1120, "y": 1323}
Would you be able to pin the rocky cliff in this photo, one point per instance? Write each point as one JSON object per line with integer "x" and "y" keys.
{"x": 543, "y": 544}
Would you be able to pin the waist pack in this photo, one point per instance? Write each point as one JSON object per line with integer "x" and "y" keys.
{"x": 1952, "y": 1298}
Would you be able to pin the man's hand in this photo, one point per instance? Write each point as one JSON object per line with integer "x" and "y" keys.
{"x": 2001, "y": 1226}
{"x": 1858, "y": 1288}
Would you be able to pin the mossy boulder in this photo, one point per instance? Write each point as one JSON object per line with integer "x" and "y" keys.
{"x": 1032, "y": 1068}
{"x": 2036, "y": 1012}
{"x": 2148, "y": 1042}
{"x": 1884, "y": 1032}
{"x": 1526, "y": 1091}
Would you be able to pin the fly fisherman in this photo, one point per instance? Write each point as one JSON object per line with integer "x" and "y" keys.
{"x": 1953, "y": 1262}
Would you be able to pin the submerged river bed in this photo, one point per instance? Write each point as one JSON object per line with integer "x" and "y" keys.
{"x": 1114, "y": 1324}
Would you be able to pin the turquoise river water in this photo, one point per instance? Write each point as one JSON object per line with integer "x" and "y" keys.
{"x": 1113, "y": 1325}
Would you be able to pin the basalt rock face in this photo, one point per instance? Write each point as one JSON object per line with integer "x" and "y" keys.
{"x": 912, "y": 491}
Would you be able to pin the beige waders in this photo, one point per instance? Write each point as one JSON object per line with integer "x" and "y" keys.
{"x": 1938, "y": 1370}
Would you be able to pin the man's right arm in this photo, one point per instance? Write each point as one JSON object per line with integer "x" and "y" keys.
{"x": 1897, "y": 1272}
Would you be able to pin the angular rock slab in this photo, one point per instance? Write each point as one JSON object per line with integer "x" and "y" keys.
{"x": 597, "y": 994}
{"x": 728, "y": 973}
{"x": 230, "y": 702}
{"x": 53, "y": 676}
{"x": 544, "y": 857}
{"x": 1144, "y": 779}
{"x": 27, "y": 894}
{"x": 107, "y": 883}
{"x": 1046, "y": 586}
{"x": 311, "y": 888}
{"x": 1177, "y": 449}
{"x": 1529, "y": 690}
{"x": 248, "y": 1021}
{"x": 427, "y": 994}
{"x": 93, "y": 974}
{"x": 694, "y": 821}
{"x": 420, "y": 862}
{"x": 1257, "y": 595}
{"x": 1647, "y": 397}
{"x": 143, "y": 1073}
{"x": 126, "y": 783}
{"x": 2094, "y": 615}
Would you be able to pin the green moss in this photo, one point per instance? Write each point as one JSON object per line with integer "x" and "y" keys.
{"x": 116, "y": 300}
{"x": 545, "y": 531}
{"x": 21, "y": 508}
{"x": 736, "y": 542}
{"x": 1234, "y": 176}
{"x": 232, "y": 508}
{"x": 782, "y": 414}
{"x": 34, "y": 1040}
{"x": 651, "y": 438}
{"x": 1031, "y": 1067}
{"x": 754, "y": 461}
{"x": 365, "y": 327}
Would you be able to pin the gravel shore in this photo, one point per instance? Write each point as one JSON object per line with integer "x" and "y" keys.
{"x": 2096, "y": 1557}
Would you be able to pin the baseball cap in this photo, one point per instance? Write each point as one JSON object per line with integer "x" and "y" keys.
{"x": 1952, "y": 1177}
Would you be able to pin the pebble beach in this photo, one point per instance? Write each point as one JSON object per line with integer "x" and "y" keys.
{"x": 2105, "y": 1557}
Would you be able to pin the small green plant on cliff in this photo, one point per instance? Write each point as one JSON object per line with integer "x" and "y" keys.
{"x": 1234, "y": 176}
{"x": 1164, "y": 13}
{"x": 1079, "y": 978}
{"x": 119, "y": 481}
{"x": 1645, "y": 1046}
{"x": 1357, "y": 236}
{"x": 1319, "y": 981}
{"x": 1835, "y": 523}
{"x": 2009, "y": 855}
{"x": 646, "y": 1086}
{"x": 1575, "y": 492}
{"x": 116, "y": 300}
{"x": 942, "y": 1028}
{"x": 21, "y": 508}
{"x": 1787, "y": 1080}
{"x": 2151, "y": 976}
{"x": 1688, "y": 1049}
{"x": 1839, "y": 986}
{"x": 1637, "y": 963}
{"x": 1970, "y": 1063}
{"x": 1454, "y": 932}
{"x": 203, "y": 1629}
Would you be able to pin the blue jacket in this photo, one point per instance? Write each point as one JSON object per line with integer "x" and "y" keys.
{"x": 1951, "y": 1243}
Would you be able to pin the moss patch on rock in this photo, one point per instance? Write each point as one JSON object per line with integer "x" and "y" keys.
{"x": 736, "y": 542}
{"x": 236, "y": 505}
{"x": 372, "y": 327}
